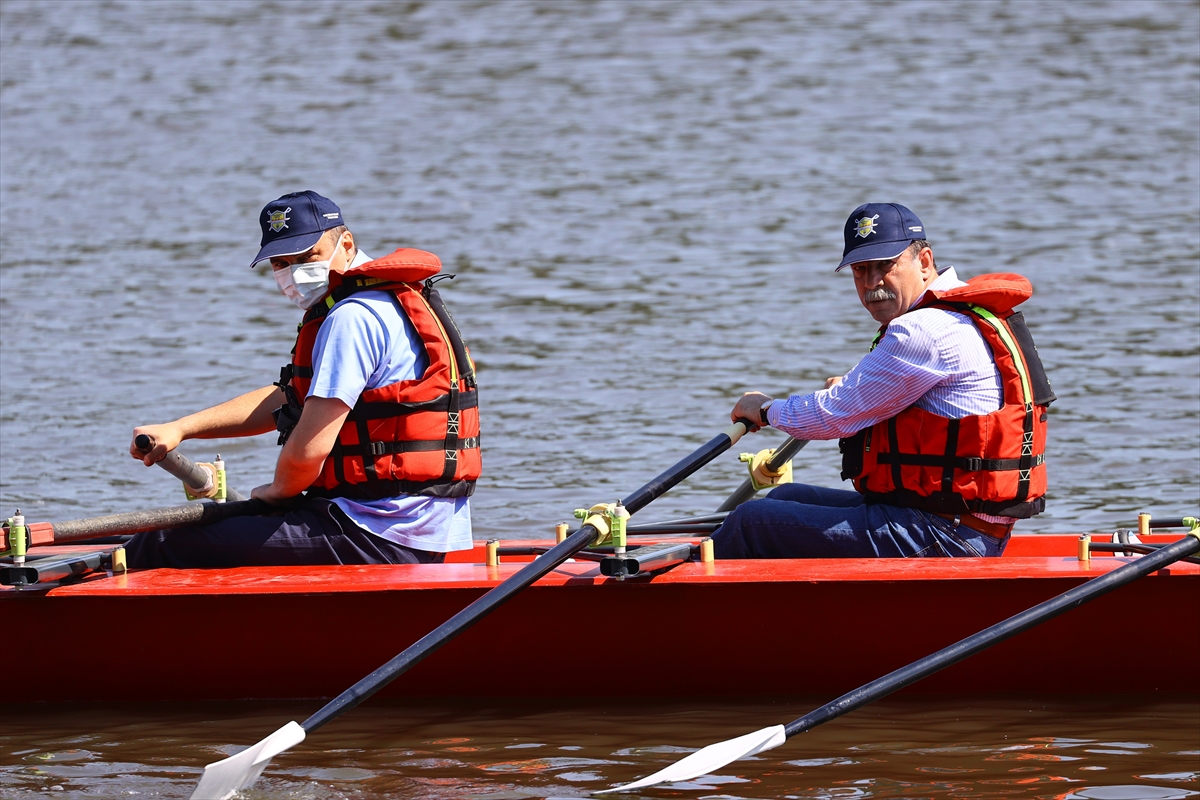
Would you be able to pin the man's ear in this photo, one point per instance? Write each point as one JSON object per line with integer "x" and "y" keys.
{"x": 928, "y": 268}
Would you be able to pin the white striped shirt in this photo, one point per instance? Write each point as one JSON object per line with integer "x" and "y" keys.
{"x": 932, "y": 358}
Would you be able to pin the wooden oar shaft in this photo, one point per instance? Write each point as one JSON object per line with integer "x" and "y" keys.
{"x": 527, "y": 575}
{"x": 139, "y": 521}
{"x": 783, "y": 454}
{"x": 1010, "y": 627}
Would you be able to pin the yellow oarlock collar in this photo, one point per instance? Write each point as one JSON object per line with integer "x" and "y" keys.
{"x": 601, "y": 517}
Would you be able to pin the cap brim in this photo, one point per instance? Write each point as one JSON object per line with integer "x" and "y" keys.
{"x": 876, "y": 251}
{"x": 287, "y": 246}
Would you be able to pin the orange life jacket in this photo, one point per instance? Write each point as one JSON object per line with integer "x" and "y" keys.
{"x": 991, "y": 463}
{"x": 417, "y": 436}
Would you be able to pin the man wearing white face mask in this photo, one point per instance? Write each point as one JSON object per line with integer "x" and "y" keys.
{"x": 377, "y": 413}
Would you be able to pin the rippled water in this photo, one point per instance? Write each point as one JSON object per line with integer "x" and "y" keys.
{"x": 642, "y": 202}
{"x": 1125, "y": 747}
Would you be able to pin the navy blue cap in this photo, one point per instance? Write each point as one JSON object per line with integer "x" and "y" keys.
{"x": 294, "y": 223}
{"x": 878, "y": 231}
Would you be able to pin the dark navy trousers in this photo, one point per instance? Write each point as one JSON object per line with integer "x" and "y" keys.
{"x": 313, "y": 532}
{"x": 799, "y": 521}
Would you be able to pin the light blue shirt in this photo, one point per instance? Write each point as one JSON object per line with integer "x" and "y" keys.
{"x": 365, "y": 342}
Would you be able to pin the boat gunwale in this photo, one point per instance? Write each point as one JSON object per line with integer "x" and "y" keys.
{"x": 459, "y": 575}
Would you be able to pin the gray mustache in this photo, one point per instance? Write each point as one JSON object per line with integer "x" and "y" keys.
{"x": 879, "y": 294}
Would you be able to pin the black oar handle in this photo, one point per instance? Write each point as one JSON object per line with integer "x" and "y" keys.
{"x": 194, "y": 476}
{"x": 527, "y": 575}
{"x": 783, "y": 454}
{"x": 155, "y": 519}
{"x": 1010, "y": 627}
{"x": 657, "y": 487}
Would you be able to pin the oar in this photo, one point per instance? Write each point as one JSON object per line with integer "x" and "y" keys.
{"x": 783, "y": 454}
{"x": 715, "y": 756}
{"x": 195, "y": 477}
{"x": 222, "y": 778}
{"x": 136, "y": 522}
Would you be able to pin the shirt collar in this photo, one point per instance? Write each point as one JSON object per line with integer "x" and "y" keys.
{"x": 946, "y": 280}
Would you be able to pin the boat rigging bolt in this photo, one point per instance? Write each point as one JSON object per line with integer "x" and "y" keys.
{"x": 618, "y": 521}
{"x": 18, "y": 542}
{"x": 222, "y": 484}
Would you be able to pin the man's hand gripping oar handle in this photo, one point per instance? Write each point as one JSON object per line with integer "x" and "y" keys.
{"x": 222, "y": 778}
{"x": 196, "y": 477}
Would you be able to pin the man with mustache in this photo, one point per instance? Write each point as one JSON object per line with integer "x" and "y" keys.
{"x": 942, "y": 425}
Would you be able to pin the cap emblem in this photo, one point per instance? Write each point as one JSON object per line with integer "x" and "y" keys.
{"x": 278, "y": 220}
{"x": 865, "y": 226}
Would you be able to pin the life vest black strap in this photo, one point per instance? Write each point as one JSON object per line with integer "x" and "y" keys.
{"x": 379, "y": 490}
{"x": 376, "y": 449}
{"x": 1027, "y": 460}
{"x": 363, "y": 449}
{"x": 461, "y": 359}
{"x": 451, "y": 445}
{"x": 893, "y": 446}
{"x": 950, "y": 455}
{"x": 966, "y": 464}
{"x": 950, "y": 503}
{"x": 381, "y": 410}
{"x": 288, "y": 414}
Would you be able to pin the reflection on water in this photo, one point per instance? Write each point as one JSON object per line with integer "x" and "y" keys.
{"x": 1120, "y": 747}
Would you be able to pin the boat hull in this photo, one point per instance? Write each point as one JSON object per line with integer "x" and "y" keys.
{"x": 737, "y": 628}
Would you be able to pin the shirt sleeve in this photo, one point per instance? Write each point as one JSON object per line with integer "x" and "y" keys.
{"x": 351, "y": 346}
{"x": 905, "y": 365}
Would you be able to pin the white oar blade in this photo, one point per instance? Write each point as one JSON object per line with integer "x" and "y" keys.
{"x": 710, "y": 758}
{"x": 222, "y": 778}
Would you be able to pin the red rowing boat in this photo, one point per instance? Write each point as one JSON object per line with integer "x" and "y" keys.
{"x": 731, "y": 628}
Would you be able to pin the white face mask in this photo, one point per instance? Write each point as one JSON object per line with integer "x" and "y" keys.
{"x": 305, "y": 284}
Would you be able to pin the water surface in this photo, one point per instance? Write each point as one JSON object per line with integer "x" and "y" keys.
{"x": 642, "y": 202}
{"x": 1119, "y": 747}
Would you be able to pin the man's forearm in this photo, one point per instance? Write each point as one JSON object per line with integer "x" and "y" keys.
{"x": 246, "y": 415}
{"x": 303, "y": 456}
